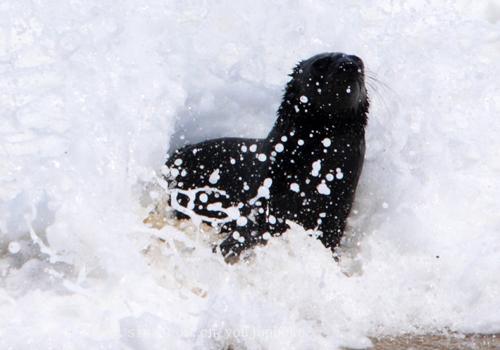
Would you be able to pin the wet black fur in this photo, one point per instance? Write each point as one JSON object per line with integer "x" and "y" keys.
{"x": 334, "y": 108}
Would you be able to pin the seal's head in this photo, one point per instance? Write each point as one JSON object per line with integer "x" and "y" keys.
{"x": 330, "y": 84}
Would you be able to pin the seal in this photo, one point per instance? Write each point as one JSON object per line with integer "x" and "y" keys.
{"x": 306, "y": 170}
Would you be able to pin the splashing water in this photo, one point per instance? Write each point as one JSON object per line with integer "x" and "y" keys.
{"x": 94, "y": 93}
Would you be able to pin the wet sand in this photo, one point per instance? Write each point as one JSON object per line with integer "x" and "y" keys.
{"x": 438, "y": 342}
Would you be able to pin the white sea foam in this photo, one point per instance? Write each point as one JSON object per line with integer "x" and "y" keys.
{"x": 93, "y": 94}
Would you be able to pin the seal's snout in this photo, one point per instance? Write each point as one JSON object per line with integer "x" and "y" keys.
{"x": 349, "y": 65}
{"x": 332, "y": 82}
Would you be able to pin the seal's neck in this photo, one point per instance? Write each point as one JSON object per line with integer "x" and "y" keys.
{"x": 296, "y": 116}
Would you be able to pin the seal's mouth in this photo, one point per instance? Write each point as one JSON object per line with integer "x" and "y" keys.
{"x": 346, "y": 91}
{"x": 349, "y": 92}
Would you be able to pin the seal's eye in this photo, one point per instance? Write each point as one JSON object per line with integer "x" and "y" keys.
{"x": 321, "y": 65}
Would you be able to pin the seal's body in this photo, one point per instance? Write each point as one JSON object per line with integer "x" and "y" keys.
{"x": 306, "y": 170}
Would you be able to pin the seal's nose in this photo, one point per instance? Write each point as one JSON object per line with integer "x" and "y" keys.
{"x": 349, "y": 64}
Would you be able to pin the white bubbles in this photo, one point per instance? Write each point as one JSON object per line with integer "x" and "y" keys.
{"x": 14, "y": 247}
{"x": 316, "y": 168}
{"x": 214, "y": 177}
{"x": 279, "y": 147}
{"x": 203, "y": 197}
{"x": 323, "y": 189}
{"x": 272, "y": 219}
{"x": 268, "y": 182}
{"x": 253, "y": 148}
{"x": 261, "y": 157}
{"x": 304, "y": 99}
{"x": 326, "y": 142}
{"x": 295, "y": 187}
{"x": 262, "y": 191}
{"x": 339, "y": 174}
{"x": 241, "y": 221}
{"x": 174, "y": 173}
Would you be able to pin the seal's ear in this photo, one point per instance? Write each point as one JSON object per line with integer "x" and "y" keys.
{"x": 286, "y": 112}
{"x": 321, "y": 65}
{"x": 297, "y": 70}
{"x": 292, "y": 88}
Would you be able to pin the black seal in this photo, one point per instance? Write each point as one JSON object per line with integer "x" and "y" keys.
{"x": 306, "y": 170}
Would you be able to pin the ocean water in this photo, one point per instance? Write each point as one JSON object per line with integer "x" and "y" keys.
{"x": 94, "y": 93}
